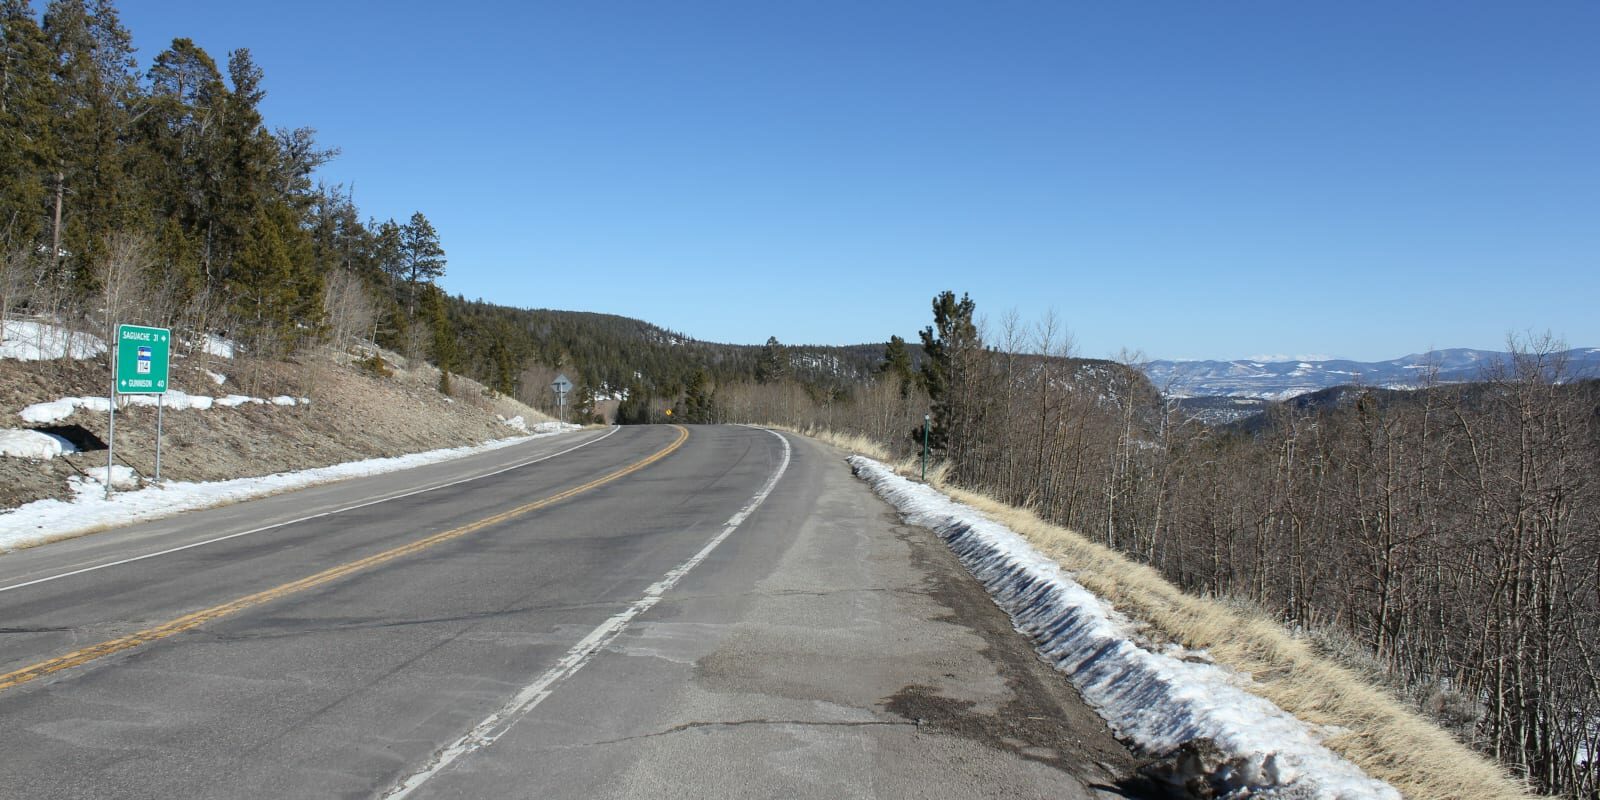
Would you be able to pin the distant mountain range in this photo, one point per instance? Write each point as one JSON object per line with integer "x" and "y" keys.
{"x": 1278, "y": 380}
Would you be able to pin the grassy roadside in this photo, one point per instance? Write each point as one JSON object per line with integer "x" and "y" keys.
{"x": 1377, "y": 731}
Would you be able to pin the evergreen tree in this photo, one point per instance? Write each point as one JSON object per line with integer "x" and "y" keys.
{"x": 27, "y": 152}
{"x": 298, "y": 157}
{"x": 275, "y": 288}
{"x": 698, "y": 406}
{"x": 245, "y": 160}
{"x": 421, "y": 256}
{"x": 388, "y": 250}
{"x": 445, "y": 350}
{"x": 95, "y": 88}
{"x": 951, "y": 345}
{"x": 635, "y": 407}
{"x": 897, "y": 365}
{"x": 772, "y": 366}
{"x": 179, "y": 156}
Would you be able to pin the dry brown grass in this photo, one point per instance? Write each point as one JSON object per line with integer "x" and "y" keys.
{"x": 1380, "y": 733}
{"x": 844, "y": 441}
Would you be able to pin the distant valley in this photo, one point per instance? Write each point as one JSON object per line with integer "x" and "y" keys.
{"x": 1279, "y": 380}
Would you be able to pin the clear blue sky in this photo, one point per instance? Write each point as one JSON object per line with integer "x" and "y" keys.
{"x": 1361, "y": 179}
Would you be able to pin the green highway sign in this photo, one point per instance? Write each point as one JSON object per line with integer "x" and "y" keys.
{"x": 142, "y": 359}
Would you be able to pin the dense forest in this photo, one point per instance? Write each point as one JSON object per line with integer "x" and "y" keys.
{"x": 159, "y": 195}
{"x": 1447, "y": 537}
{"x": 517, "y": 351}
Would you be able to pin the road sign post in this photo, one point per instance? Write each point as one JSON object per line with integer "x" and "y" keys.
{"x": 927, "y": 420}
{"x": 141, "y": 359}
{"x": 561, "y": 385}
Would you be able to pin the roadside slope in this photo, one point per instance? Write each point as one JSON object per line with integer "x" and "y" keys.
{"x": 1363, "y": 722}
{"x": 333, "y": 410}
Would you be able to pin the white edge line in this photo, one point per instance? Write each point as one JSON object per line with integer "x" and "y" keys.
{"x": 298, "y": 520}
{"x": 494, "y": 726}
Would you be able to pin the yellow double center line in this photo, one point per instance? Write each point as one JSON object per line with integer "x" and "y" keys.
{"x": 198, "y": 618}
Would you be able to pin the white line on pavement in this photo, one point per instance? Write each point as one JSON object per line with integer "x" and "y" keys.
{"x": 297, "y": 520}
{"x": 495, "y": 725}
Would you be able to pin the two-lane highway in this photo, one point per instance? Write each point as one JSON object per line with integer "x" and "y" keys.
{"x": 648, "y": 611}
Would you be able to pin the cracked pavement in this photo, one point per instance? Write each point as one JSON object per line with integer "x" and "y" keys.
{"x": 823, "y": 650}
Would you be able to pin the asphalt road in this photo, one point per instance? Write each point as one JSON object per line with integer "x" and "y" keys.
{"x": 640, "y": 612}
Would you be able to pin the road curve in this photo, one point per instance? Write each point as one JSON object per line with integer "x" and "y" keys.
{"x": 646, "y": 612}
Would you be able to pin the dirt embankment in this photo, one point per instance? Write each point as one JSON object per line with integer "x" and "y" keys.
{"x": 353, "y": 414}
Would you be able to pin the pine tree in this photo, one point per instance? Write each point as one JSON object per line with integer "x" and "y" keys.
{"x": 897, "y": 365}
{"x": 95, "y": 91}
{"x": 275, "y": 286}
{"x": 635, "y": 406}
{"x": 245, "y": 158}
{"x": 179, "y": 157}
{"x": 445, "y": 349}
{"x": 27, "y": 148}
{"x": 772, "y": 365}
{"x": 951, "y": 344}
{"x": 698, "y": 406}
{"x": 421, "y": 256}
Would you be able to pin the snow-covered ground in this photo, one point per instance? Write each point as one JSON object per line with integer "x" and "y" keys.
{"x": 518, "y": 423}
{"x": 217, "y": 346}
{"x": 33, "y": 340}
{"x": 44, "y": 520}
{"x": 174, "y": 400}
{"x": 1159, "y": 699}
{"x": 33, "y": 444}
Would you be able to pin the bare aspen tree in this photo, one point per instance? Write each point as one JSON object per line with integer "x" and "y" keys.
{"x": 123, "y": 275}
{"x": 16, "y": 267}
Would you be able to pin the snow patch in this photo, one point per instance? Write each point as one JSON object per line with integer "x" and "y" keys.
{"x": 173, "y": 400}
{"x": 57, "y": 410}
{"x": 121, "y": 478}
{"x": 555, "y": 427}
{"x": 33, "y": 444}
{"x": 217, "y": 346}
{"x": 32, "y": 340}
{"x": 1157, "y": 699}
{"x": 44, "y": 520}
{"x": 217, "y": 377}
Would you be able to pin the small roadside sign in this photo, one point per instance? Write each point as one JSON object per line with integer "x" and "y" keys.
{"x": 143, "y": 355}
{"x": 562, "y": 386}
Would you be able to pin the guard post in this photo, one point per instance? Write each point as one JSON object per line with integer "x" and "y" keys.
{"x": 927, "y": 420}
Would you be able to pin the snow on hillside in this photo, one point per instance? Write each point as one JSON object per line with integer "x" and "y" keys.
{"x": 174, "y": 400}
{"x": 1160, "y": 699}
{"x": 16, "y": 443}
{"x": 33, "y": 340}
{"x": 215, "y": 345}
{"x": 1290, "y": 377}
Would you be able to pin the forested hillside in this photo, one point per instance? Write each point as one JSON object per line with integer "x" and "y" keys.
{"x": 517, "y": 350}
{"x": 156, "y": 193}
{"x": 1444, "y": 537}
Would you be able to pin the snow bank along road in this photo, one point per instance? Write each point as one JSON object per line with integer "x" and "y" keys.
{"x": 661, "y": 612}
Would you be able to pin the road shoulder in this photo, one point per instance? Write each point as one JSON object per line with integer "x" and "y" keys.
{"x": 826, "y": 651}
